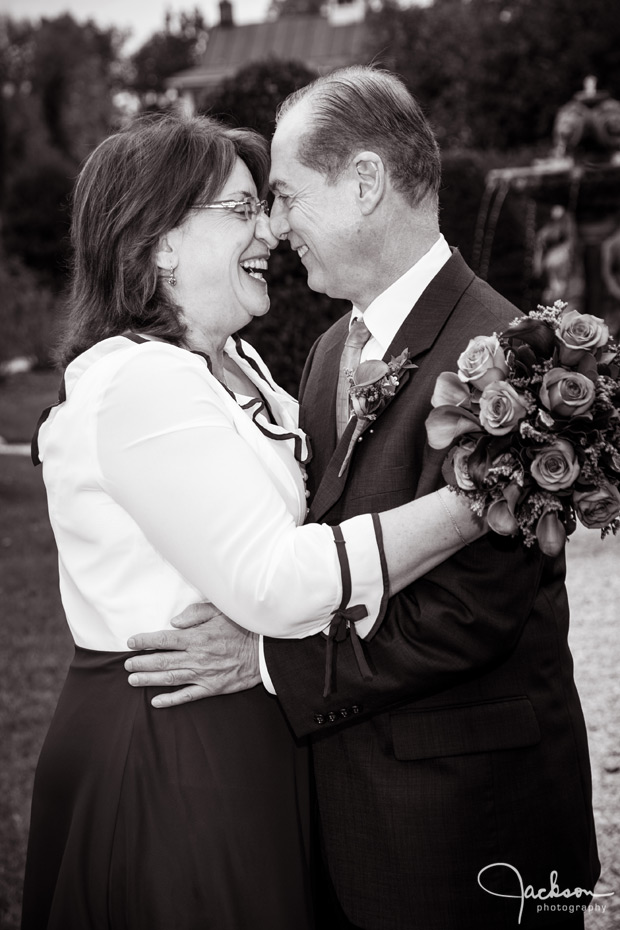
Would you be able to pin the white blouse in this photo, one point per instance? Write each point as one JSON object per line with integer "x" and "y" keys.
{"x": 163, "y": 491}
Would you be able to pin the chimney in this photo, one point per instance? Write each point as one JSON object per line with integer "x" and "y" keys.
{"x": 226, "y": 13}
{"x": 344, "y": 12}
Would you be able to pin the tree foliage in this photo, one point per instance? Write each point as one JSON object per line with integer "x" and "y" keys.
{"x": 28, "y": 314}
{"x": 58, "y": 79}
{"x": 493, "y": 74}
{"x": 64, "y": 73}
{"x": 250, "y": 98}
{"x": 176, "y": 48}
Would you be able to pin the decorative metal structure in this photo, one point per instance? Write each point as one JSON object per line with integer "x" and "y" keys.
{"x": 572, "y": 208}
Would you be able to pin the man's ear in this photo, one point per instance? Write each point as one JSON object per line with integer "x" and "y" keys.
{"x": 166, "y": 255}
{"x": 370, "y": 179}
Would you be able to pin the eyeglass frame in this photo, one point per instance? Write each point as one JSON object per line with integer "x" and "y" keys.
{"x": 253, "y": 207}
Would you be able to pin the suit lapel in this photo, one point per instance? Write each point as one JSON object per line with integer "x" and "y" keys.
{"x": 318, "y": 413}
{"x": 418, "y": 333}
{"x": 428, "y": 317}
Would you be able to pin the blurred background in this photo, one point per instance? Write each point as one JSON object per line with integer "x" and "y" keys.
{"x": 494, "y": 77}
{"x": 522, "y": 96}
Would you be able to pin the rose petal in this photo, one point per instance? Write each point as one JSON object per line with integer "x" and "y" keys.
{"x": 491, "y": 375}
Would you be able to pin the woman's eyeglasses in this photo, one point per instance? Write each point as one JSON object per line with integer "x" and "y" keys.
{"x": 248, "y": 208}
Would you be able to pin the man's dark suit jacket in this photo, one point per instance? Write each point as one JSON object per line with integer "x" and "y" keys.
{"x": 468, "y": 746}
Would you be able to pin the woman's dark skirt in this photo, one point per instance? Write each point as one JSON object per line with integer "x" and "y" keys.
{"x": 186, "y": 818}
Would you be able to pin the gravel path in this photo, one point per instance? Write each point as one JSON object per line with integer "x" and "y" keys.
{"x": 593, "y": 582}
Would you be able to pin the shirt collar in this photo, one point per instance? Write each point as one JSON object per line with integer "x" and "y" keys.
{"x": 387, "y": 312}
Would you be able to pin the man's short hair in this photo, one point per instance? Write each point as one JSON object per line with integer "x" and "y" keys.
{"x": 362, "y": 107}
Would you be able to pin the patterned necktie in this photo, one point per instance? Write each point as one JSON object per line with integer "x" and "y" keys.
{"x": 358, "y": 336}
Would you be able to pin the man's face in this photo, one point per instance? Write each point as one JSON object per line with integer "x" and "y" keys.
{"x": 320, "y": 219}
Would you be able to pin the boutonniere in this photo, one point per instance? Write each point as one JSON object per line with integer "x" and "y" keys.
{"x": 371, "y": 387}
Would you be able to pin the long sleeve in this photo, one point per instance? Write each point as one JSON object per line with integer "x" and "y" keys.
{"x": 170, "y": 454}
{"x": 460, "y": 620}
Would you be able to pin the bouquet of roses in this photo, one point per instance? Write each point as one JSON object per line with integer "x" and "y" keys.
{"x": 532, "y": 424}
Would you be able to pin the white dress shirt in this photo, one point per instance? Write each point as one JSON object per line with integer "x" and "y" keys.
{"x": 163, "y": 492}
{"x": 387, "y": 313}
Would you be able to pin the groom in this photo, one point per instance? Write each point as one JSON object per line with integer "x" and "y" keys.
{"x": 456, "y": 774}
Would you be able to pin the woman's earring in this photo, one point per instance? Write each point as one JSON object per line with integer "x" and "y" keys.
{"x": 171, "y": 278}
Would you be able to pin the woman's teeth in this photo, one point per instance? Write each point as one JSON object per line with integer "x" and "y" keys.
{"x": 255, "y": 267}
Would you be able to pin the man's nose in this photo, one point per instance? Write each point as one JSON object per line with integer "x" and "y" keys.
{"x": 278, "y": 221}
{"x": 264, "y": 232}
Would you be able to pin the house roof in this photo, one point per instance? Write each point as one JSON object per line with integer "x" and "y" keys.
{"x": 309, "y": 39}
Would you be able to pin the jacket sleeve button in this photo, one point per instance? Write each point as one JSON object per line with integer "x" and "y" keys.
{"x": 319, "y": 719}
{"x": 344, "y": 711}
{"x": 356, "y": 709}
{"x": 331, "y": 716}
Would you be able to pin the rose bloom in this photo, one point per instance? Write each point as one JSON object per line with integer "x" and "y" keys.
{"x": 566, "y": 393}
{"x": 460, "y": 455}
{"x": 580, "y": 333}
{"x": 555, "y": 467}
{"x": 482, "y": 361}
{"x": 596, "y": 508}
{"x": 501, "y": 408}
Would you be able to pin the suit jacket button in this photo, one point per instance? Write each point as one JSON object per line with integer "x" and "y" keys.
{"x": 319, "y": 718}
{"x": 344, "y": 711}
{"x": 356, "y": 709}
{"x": 331, "y": 716}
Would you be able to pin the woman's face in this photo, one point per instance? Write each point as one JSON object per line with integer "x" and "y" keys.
{"x": 220, "y": 257}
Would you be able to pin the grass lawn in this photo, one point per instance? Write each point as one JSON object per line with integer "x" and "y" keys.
{"x": 35, "y": 650}
{"x": 35, "y": 646}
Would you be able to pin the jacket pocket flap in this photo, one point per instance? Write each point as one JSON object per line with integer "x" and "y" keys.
{"x": 455, "y": 731}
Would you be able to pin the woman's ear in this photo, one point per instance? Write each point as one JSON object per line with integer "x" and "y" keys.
{"x": 166, "y": 256}
{"x": 370, "y": 179}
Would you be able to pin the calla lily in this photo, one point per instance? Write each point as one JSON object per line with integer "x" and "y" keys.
{"x": 501, "y": 514}
{"x": 447, "y": 423}
{"x": 550, "y": 533}
{"x": 587, "y": 366}
{"x": 536, "y": 334}
{"x": 369, "y": 372}
{"x": 501, "y": 520}
{"x": 449, "y": 389}
{"x": 524, "y": 360}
